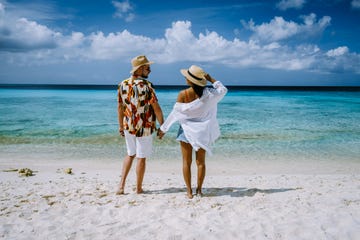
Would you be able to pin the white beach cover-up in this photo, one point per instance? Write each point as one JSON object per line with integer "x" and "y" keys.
{"x": 198, "y": 118}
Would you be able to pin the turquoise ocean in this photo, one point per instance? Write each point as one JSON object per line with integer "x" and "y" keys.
{"x": 70, "y": 123}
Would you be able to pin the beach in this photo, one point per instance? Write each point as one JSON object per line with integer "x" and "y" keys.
{"x": 266, "y": 203}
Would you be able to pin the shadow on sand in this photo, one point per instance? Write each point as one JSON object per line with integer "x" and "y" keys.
{"x": 225, "y": 191}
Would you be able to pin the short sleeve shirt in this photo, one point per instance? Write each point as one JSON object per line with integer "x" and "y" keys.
{"x": 137, "y": 96}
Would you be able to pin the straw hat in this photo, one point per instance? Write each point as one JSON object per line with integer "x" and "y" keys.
{"x": 195, "y": 75}
{"x": 139, "y": 61}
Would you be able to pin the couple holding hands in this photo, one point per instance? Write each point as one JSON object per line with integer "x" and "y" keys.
{"x": 195, "y": 110}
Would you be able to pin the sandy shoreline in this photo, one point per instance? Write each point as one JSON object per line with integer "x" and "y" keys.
{"x": 55, "y": 205}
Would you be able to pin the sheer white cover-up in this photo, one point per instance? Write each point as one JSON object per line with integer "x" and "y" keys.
{"x": 198, "y": 118}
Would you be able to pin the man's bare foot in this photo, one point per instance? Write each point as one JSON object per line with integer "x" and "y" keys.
{"x": 120, "y": 191}
{"x": 140, "y": 191}
{"x": 189, "y": 194}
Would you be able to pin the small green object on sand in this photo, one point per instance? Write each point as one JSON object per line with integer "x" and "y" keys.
{"x": 25, "y": 172}
{"x": 68, "y": 171}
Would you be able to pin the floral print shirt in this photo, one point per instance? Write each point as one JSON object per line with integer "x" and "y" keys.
{"x": 137, "y": 96}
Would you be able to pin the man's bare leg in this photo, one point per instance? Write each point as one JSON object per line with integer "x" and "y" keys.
{"x": 186, "y": 150}
{"x": 140, "y": 171}
{"x": 125, "y": 170}
{"x": 200, "y": 161}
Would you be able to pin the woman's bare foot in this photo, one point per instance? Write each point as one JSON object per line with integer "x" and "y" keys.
{"x": 199, "y": 193}
{"x": 120, "y": 191}
{"x": 140, "y": 191}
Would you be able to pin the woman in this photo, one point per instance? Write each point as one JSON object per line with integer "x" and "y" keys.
{"x": 196, "y": 110}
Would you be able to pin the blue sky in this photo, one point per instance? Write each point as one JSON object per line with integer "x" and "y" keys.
{"x": 259, "y": 42}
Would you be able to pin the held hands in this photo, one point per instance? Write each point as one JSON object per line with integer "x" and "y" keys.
{"x": 160, "y": 134}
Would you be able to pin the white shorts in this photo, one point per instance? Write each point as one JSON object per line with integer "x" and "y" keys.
{"x": 139, "y": 146}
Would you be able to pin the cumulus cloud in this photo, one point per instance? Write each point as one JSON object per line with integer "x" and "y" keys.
{"x": 279, "y": 29}
{"x": 287, "y": 4}
{"x": 26, "y": 35}
{"x": 117, "y": 45}
{"x": 337, "y": 52}
{"x": 27, "y": 42}
{"x": 355, "y": 4}
{"x": 339, "y": 60}
{"x": 123, "y": 10}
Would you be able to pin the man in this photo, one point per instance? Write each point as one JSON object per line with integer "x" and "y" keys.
{"x": 138, "y": 110}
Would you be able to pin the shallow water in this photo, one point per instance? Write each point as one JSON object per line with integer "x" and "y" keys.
{"x": 255, "y": 124}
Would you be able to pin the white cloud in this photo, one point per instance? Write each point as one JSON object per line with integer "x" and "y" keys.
{"x": 27, "y": 35}
{"x": 287, "y": 4}
{"x": 27, "y": 42}
{"x": 180, "y": 44}
{"x": 337, "y": 52}
{"x": 21, "y": 34}
{"x": 117, "y": 45}
{"x": 123, "y": 10}
{"x": 279, "y": 29}
{"x": 339, "y": 60}
{"x": 74, "y": 40}
{"x": 355, "y": 4}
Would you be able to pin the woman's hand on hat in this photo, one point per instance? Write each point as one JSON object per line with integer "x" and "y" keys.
{"x": 209, "y": 78}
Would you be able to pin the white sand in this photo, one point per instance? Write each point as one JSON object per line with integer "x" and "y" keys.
{"x": 236, "y": 205}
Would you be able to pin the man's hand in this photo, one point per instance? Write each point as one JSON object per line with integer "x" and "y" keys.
{"x": 121, "y": 131}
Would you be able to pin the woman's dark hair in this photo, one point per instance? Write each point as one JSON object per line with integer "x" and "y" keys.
{"x": 198, "y": 89}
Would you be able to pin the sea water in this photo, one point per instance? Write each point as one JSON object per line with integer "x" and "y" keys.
{"x": 75, "y": 124}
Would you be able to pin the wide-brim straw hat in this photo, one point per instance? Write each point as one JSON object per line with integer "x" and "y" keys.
{"x": 195, "y": 75}
{"x": 139, "y": 61}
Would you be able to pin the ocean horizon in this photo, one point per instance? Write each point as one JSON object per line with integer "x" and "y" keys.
{"x": 230, "y": 87}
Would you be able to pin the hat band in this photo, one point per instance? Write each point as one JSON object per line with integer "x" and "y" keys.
{"x": 197, "y": 78}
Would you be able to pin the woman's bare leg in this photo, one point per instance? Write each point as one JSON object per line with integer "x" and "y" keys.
{"x": 186, "y": 150}
{"x": 201, "y": 169}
